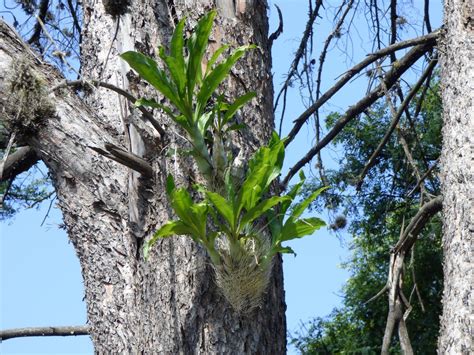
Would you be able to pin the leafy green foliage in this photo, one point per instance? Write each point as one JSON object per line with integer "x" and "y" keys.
{"x": 376, "y": 214}
{"x": 231, "y": 215}
{"x": 234, "y": 214}
{"x": 189, "y": 91}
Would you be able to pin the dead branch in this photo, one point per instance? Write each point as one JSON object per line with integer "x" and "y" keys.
{"x": 405, "y": 342}
{"x": 44, "y": 331}
{"x": 19, "y": 161}
{"x": 43, "y": 10}
{"x": 128, "y": 159}
{"x": 313, "y": 14}
{"x": 279, "y": 30}
{"x": 424, "y": 42}
{"x": 423, "y": 177}
{"x": 334, "y": 34}
{"x": 395, "y": 119}
{"x": 390, "y": 79}
{"x": 426, "y": 17}
{"x": 380, "y": 293}
{"x": 395, "y": 311}
{"x": 417, "y": 223}
{"x": 397, "y": 300}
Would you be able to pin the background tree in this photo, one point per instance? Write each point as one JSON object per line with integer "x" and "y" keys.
{"x": 377, "y": 213}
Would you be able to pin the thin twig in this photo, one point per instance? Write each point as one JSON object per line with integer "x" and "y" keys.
{"x": 423, "y": 177}
{"x": 148, "y": 115}
{"x": 335, "y": 32}
{"x": 57, "y": 49}
{"x": 49, "y": 207}
{"x": 279, "y": 30}
{"x": 43, "y": 10}
{"x": 298, "y": 55}
{"x": 380, "y": 293}
{"x": 417, "y": 223}
{"x": 395, "y": 119}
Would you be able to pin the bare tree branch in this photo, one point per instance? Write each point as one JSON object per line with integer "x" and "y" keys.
{"x": 395, "y": 119}
{"x": 128, "y": 159}
{"x": 417, "y": 223}
{"x": 424, "y": 42}
{"x": 426, "y": 18}
{"x": 279, "y": 30}
{"x": 44, "y": 331}
{"x": 298, "y": 55}
{"x": 43, "y": 10}
{"x": 334, "y": 34}
{"x": 19, "y": 161}
{"x": 391, "y": 78}
{"x": 423, "y": 177}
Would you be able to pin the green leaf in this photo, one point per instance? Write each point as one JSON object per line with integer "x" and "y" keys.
{"x": 302, "y": 175}
{"x": 177, "y": 45}
{"x": 216, "y": 76}
{"x": 149, "y": 71}
{"x": 197, "y": 45}
{"x": 170, "y": 185}
{"x": 167, "y": 230}
{"x": 292, "y": 194}
{"x": 223, "y": 207}
{"x": 173, "y": 228}
{"x": 282, "y": 250}
{"x": 199, "y": 214}
{"x": 261, "y": 208}
{"x": 193, "y": 215}
{"x": 238, "y": 103}
{"x": 301, "y": 207}
{"x": 214, "y": 57}
{"x": 300, "y": 228}
{"x": 177, "y": 73}
{"x": 204, "y": 121}
{"x": 181, "y": 202}
{"x": 251, "y": 190}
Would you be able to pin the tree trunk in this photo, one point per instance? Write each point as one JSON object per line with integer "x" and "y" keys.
{"x": 170, "y": 303}
{"x": 457, "y": 176}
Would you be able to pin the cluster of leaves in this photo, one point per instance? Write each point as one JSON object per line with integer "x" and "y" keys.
{"x": 234, "y": 214}
{"x": 377, "y": 213}
{"x": 233, "y": 206}
{"x": 189, "y": 91}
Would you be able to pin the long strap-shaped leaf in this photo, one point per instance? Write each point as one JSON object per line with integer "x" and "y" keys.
{"x": 197, "y": 45}
{"x": 216, "y": 76}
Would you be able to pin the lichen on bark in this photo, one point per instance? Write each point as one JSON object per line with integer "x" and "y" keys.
{"x": 27, "y": 104}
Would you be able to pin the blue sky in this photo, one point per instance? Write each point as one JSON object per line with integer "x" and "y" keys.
{"x": 40, "y": 278}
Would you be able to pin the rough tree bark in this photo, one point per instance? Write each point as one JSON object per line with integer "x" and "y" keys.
{"x": 168, "y": 304}
{"x": 457, "y": 177}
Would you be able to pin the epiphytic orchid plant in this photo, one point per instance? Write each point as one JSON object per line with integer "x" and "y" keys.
{"x": 240, "y": 224}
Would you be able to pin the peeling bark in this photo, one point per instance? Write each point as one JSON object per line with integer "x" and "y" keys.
{"x": 170, "y": 303}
